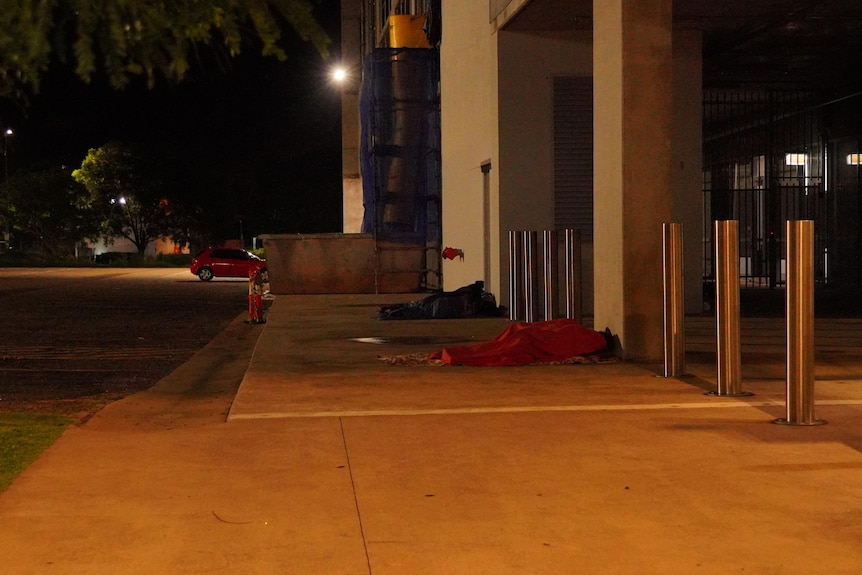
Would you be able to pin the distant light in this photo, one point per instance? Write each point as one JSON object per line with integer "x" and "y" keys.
{"x": 795, "y": 159}
{"x": 339, "y": 74}
{"x": 8, "y": 132}
{"x": 854, "y": 159}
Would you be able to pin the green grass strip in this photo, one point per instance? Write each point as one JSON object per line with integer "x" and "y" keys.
{"x": 23, "y": 436}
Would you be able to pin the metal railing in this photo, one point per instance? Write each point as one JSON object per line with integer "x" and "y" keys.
{"x": 527, "y": 285}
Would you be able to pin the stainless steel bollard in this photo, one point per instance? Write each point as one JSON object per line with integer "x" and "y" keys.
{"x": 550, "y": 275}
{"x": 728, "y": 357}
{"x": 573, "y": 274}
{"x": 800, "y": 324}
{"x": 515, "y": 274}
{"x": 530, "y": 275}
{"x": 674, "y": 302}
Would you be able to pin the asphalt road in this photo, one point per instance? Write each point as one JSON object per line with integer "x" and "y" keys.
{"x": 85, "y": 336}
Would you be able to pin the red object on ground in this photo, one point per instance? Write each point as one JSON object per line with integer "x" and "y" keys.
{"x": 526, "y": 343}
{"x": 255, "y": 297}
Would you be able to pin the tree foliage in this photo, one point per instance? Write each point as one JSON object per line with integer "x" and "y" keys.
{"x": 45, "y": 207}
{"x": 127, "y": 186}
{"x": 138, "y": 38}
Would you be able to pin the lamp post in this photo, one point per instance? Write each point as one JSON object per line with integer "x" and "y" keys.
{"x": 7, "y": 133}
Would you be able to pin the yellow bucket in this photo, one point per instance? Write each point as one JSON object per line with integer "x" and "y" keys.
{"x": 407, "y": 31}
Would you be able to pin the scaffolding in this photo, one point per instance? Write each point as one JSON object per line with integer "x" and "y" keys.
{"x": 400, "y": 155}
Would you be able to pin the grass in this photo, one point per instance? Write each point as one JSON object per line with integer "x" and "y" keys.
{"x": 23, "y": 436}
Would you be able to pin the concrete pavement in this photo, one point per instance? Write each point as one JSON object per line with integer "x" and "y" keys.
{"x": 329, "y": 460}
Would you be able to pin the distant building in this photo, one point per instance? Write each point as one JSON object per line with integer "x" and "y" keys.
{"x": 157, "y": 247}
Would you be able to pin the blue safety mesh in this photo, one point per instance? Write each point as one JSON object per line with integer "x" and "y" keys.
{"x": 400, "y": 145}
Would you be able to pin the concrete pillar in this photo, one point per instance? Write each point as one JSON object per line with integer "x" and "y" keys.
{"x": 632, "y": 67}
{"x": 351, "y": 58}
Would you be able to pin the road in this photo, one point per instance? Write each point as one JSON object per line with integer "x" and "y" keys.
{"x": 73, "y": 338}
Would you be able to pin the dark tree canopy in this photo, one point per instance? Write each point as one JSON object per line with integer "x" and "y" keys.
{"x": 48, "y": 210}
{"x": 138, "y": 38}
{"x": 127, "y": 187}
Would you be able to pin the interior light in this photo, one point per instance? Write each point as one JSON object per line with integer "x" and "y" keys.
{"x": 795, "y": 159}
{"x": 854, "y": 159}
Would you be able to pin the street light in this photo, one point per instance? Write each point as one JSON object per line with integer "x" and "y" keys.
{"x": 7, "y": 133}
{"x": 339, "y": 75}
{"x": 346, "y": 77}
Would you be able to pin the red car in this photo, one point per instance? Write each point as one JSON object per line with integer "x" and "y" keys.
{"x": 227, "y": 263}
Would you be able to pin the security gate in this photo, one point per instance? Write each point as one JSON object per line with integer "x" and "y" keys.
{"x": 772, "y": 156}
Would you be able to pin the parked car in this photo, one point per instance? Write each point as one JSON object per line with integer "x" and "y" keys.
{"x": 227, "y": 263}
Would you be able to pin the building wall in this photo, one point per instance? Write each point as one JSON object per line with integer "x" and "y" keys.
{"x": 340, "y": 263}
{"x": 522, "y": 172}
{"x": 504, "y": 119}
{"x": 469, "y": 111}
{"x": 528, "y": 64}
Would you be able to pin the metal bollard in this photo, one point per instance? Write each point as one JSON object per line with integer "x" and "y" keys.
{"x": 800, "y": 324}
{"x": 728, "y": 357}
{"x": 573, "y": 274}
{"x": 515, "y": 274}
{"x": 551, "y": 299}
{"x": 674, "y": 306}
{"x": 530, "y": 275}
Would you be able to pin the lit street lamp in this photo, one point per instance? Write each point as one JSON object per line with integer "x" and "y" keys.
{"x": 7, "y": 133}
{"x": 346, "y": 77}
{"x": 339, "y": 75}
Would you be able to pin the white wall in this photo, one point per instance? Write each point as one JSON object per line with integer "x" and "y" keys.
{"x": 469, "y": 110}
{"x": 521, "y": 175}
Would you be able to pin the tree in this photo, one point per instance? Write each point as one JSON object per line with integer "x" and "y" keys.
{"x": 138, "y": 38}
{"x": 125, "y": 184}
{"x": 46, "y": 207}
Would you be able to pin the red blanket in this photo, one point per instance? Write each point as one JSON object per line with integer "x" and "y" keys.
{"x": 525, "y": 343}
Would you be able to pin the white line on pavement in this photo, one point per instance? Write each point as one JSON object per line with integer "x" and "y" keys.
{"x": 525, "y": 409}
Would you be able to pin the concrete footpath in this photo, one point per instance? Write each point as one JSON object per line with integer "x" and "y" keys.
{"x": 329, "y": 460}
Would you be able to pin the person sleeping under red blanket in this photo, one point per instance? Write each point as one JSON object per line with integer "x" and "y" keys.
{"x": 525, "y": 343}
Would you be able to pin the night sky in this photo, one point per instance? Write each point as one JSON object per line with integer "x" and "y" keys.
{"x": 259, "y": 139}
